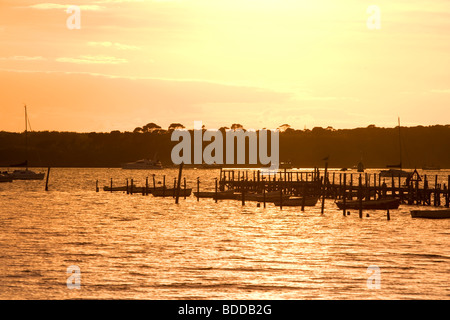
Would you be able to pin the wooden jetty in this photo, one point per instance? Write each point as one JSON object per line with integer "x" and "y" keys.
{"x": 349, "y": 190}
{"x": 343, "y": 186}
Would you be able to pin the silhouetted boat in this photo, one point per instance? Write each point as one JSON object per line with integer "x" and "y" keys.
{"x": 380, "y": 204}
{"x": 221, "y": 195}
{"x": 431, "y": 214}
{"x": 360, "y": 167}
{"x": 298, "y": 202}
{"x": 145, "y": 164}
{"x": 431, "y": 168}
{"x": 286, "y": 165}
{"x": 395, "y": 172}
{"x": 5, "y": 177}
{"x": 269, "y": 196}
{"x": 396, "y": 169}
{"x": 166, "y": 192}
{"x": 25, "y": 174}
{"x": 135, "y": 189}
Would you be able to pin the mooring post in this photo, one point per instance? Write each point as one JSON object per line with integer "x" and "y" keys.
{"x": 128, "y": 191}
{"x": 447, "y": 203}
{"x": 180, "y": 171}
{"x": 281, "y": 196}
{"x": 360, "y": 197}
{"x": 303, "y": 196}
{"x": 46, "y": 182}
{"x": 351, "y": 186}
{"x": 215, "y": 196}
{"x": 146, "y": 186}
{"x": 324, "y": 187}
{"x": 154, "y": 182}
{"x": 164, "y": 185}
{"x": 131, "y": 188}
{"x": 111, "y": 185}
{"x": 198, "y": 188}
{"x": 184, "y": 188}
{"x": 96, "y": 186}
{"x": 264, "y": 194}
{"x": 344, "y": 196}
{"x": 388, "y": 215}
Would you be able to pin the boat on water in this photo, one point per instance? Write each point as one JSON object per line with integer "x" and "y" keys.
{"x": 286, "y": 165}
{"x": 145, "y": 164}
{"x": 133, "y": 188}
{"x": 220, "y": 195}
{"x": 395, "y": 172}
{"x": 25, "y": 174}
{"x": 380, "y": 204}
{"x": 5, "y": 177}
{"x": 431, "y": 168}
{"x": 298, "y": 202}
{"x": 431, "y": 214}
{"x": 260, "y": 197}
{"x": 170, "y": 192}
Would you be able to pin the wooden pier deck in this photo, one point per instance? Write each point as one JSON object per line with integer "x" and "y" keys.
{"x": 416, "y": 189}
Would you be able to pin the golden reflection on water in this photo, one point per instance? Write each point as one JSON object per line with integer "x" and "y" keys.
{"x": 136, "y": 247}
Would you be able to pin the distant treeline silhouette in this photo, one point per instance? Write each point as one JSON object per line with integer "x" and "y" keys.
{"x": 375, "y": 147}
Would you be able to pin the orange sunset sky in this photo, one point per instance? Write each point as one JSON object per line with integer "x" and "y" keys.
{"x": 261, "y": 63}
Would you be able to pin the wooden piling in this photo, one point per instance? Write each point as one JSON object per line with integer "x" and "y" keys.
{"x": 303, "y": 196}
{"x": 96, "y": 186}
{"x": 344, "y": 196}
{"x": 198, "y": 188}
{"x": 164, "y": 185}
{"x": 112, "y": 185}
{"x": 324, "y": 188}
{"x": 180, "y": 171}
{"x": 215, "y": 196}
{"x": 128, "y": 190}
{"x": 281, "y": 197}
{"x": 264, "y": 195}
{"x": 185, "y": 187}
{"x": 360, "y": 197}
{"x": 46, "y": 182}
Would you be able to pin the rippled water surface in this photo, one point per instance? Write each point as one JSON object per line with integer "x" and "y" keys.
{"x": 141, "y": 247}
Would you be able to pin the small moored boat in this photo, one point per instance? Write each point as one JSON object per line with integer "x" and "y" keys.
{"x": 298, "y": 202}
{"x": 170, "y": 192}
{"x": 260, "y": 197}
{"x": 222, "y": 195}
{"x": 380, "y": 204}
{"x": 431, "y": 214}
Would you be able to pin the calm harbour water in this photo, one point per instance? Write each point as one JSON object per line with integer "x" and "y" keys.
{"x": 136, "y": 247}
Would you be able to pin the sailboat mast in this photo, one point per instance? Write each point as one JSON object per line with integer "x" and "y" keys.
{"x": 26, "y": 137}
{"x": 400, "y": 143}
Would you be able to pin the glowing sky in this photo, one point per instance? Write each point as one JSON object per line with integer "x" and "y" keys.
{"x": 261, "y": 63}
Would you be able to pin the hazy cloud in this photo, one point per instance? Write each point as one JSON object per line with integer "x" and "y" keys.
{"x": 50, "y": 6}
{"x": 88, "y": 59}
{"x": 115, "y": 45}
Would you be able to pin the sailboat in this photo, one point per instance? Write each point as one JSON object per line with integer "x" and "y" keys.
{"x": 25, "y": 174}
{"x": 396, "y": 169}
